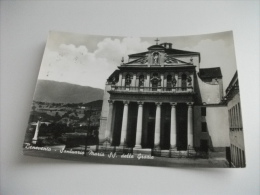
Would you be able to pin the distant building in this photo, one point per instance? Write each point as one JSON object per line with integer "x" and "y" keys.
{"x": 237, "y": 146}
{"x": 162, "y": 99}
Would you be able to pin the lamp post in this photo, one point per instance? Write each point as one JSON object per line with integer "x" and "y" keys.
{"x": 35, "y": 137}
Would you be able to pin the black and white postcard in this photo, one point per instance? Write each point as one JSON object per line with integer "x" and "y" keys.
{"x": 154, "y": 101}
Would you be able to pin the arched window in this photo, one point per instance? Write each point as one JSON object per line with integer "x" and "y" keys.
{"x": 184, "y": 82}
{"x": 155, "y": 81}
{"x": 169, "y": 83}
{"x": 141, "y": 81}
{"x": 127, "y": 80}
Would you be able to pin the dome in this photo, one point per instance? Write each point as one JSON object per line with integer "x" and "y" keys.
{"x": 156, "y": 47}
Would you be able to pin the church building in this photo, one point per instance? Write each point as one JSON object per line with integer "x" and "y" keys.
{"x": 161, "y": 99}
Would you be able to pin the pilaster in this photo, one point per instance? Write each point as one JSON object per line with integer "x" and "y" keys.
{"x": 108, "y": 136}
{"x": 190, "y": 126}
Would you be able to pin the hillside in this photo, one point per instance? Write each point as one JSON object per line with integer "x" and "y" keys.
{"x": 97, "y": 103}
{"x": 61, "y": 92}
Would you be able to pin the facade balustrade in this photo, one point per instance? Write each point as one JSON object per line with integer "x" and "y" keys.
{"x": 188, "y": 89}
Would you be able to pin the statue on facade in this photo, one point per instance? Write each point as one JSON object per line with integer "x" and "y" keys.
{"x": 156, "y": 58}
{"x": 128, "y": 80}
{"x": 191, "y": 60}
{"x": 155, "y": 80}
{"x": 141, "y": 81}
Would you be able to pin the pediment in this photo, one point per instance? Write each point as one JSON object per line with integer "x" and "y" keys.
{"x": 169, "y": 60}
{"x": 139, "y": 61}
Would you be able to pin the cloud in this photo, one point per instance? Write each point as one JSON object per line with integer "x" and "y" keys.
{"x": 79, "y": 66}
{"x": 114, "y": 50}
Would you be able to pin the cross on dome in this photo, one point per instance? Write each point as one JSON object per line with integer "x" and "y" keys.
{"x": 157, "y": 41}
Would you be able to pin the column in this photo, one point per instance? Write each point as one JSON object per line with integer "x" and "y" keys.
{"x": 190, "y": 125}
{"x": 157, "y": 125}
{"x": 108, "y": 136}
{"x": 173, "y": 139}
{"x": 124, "y": 123}
{"x": 139, "y": 125}
{"x": 35, "y": 137}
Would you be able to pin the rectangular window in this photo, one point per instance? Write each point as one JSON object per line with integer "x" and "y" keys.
{"x": 240, "y": 117}
{"x": 204, "y": 127}
{"x": 232, "y": 119}
{"x": 229, "y": 118}
{"x": 244, "y": 158}
{"x": 203, "y": 111}
{"x": 238, "y": 120}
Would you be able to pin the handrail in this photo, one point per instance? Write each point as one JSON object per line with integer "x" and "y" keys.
{"x": 151, "y": 89}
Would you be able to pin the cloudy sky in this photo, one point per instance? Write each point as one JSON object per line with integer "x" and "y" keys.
{"x": 88, "y": 60}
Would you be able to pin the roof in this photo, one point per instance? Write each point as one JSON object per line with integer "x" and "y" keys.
{"x": 114, "y": 74}
{"x": 177, "y": 51}
{"x": 210, "y": 72}
{"x": 232, "y": 83}
{"x": 168, "y": 51}
{"x": 233, "y": 88}
{"x": 156, "y": 47}
{"x": 138, "y": 54}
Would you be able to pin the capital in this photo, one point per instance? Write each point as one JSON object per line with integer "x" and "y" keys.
{"x": 173, "y": 104}
{"x": 111, "y": 101}
{"x": 126, "y": 102}
{"x": 158, "y": 103}
{"x": 140, "y": 103}
{"x": 190, "y": 103}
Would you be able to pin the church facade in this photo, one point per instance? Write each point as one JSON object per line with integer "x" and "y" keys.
{"x": 162, "y": 99}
